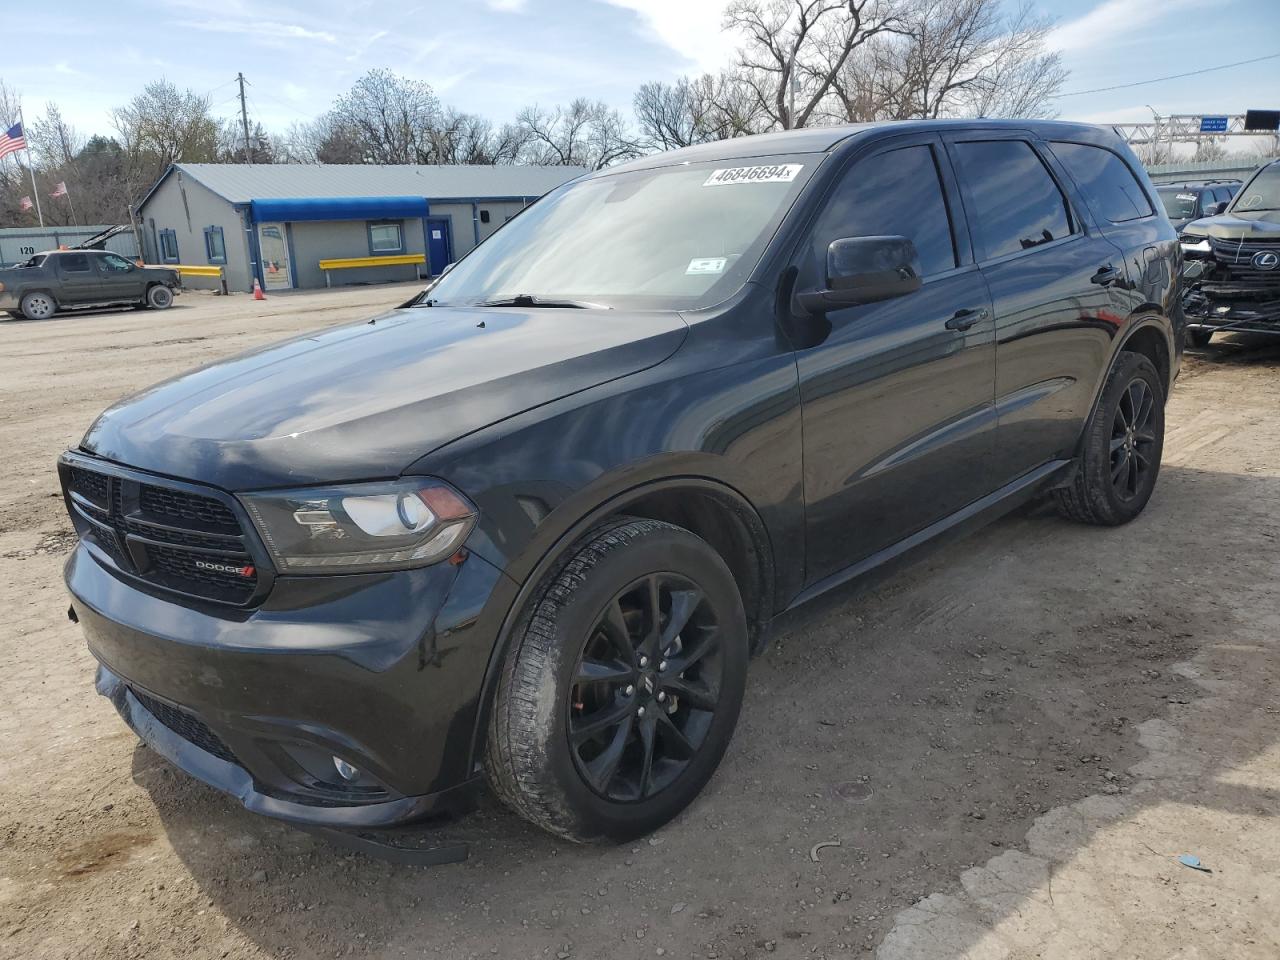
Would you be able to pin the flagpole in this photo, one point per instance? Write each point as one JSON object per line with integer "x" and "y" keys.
{"x": 74, "y": 221}
{"x": 31, "y": 168}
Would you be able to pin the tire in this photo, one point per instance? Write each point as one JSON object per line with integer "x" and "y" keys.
{"x": 590, "y": 618}
{"x": 39, "y": 306}
{"x": 159, "y": 297}
{"x": 1199, "y": 338}
{"x": 1119, "y": 466}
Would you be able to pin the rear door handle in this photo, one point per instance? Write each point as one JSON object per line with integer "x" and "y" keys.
{"x": 1105, "y": 276}
{"x": 966, "y": 318}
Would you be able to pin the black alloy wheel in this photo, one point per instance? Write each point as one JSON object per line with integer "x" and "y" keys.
{"x": 645, "y": 688}
{"x": 623, "y": 684}
{"x": 1133, "y": 439}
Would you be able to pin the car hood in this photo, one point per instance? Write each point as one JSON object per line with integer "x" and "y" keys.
{"x": 366, "y": 400}
{"x": 1239, "y": 225}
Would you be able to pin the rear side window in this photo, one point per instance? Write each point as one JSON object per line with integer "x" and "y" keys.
{"x": 897, "y": 193}
{"x": 1109, "y": 186}
{"x": 73, "y": 263}
{"x": 1009, "y": 218}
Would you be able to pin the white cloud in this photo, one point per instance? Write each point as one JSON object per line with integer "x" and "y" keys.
{"x": 1115, "y": 22}
{"x": 506, "y": 6}
{"x": 692, "y": 28}
{"x": 262, "y": 29}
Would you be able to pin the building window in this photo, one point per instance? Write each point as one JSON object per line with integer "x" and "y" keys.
{"x": 215, "y": 246}
{"x": 168, "y": 246}
{"x": 386, "y": 238}
{"x": 484, "y": 216}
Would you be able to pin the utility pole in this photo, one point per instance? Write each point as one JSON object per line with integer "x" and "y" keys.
{"x": 244, "y": 119}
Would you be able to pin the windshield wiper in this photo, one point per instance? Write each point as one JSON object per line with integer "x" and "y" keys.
{"x": 528, "y": 300}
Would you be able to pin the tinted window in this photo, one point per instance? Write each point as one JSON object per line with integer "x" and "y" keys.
{"x": 73, "y": 262}
{"x": 892, "y": 194}
{"x": 1016, "y": 203}
{"x": 1221, "y": 194}
{"x": 1108, "y": 185}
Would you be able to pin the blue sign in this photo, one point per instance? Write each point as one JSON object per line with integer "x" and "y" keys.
{"x": 1213, "y": 124}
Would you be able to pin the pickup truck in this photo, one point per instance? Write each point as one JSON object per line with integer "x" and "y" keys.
{"x": 75, "y": 279}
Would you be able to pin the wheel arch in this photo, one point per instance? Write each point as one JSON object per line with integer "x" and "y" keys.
{"x": 712, "y": 509}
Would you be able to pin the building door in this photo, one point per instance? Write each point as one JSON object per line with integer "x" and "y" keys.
{"x": 274, "y": 246}
{"x": 439, "y": 245}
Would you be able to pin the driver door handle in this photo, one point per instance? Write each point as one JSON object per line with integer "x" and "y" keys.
{"x": 966, "y": 318}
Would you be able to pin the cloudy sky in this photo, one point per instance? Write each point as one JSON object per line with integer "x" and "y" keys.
{"x": 494, "y": 56}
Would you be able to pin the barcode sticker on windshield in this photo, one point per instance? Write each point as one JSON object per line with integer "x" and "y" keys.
{"x": 1186, "y": 196}
{"x": 768, "y": 173}
{"x": 705, "y": 265}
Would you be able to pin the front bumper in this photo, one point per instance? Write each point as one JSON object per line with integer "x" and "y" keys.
{"x": 383, "y": 671}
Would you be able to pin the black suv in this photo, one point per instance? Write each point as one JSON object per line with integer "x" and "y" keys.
{"x": 1184, "y": 202}
{"x": 1232, "y": 275}
{"x": 533, "y": 524}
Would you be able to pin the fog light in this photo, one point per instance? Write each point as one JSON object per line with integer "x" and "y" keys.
{"x": 345, "y": 770}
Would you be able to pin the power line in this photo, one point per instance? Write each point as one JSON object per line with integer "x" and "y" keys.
{"x": 1175, "y": 76}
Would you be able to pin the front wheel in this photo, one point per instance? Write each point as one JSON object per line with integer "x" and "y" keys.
{"x": 1123, "y": 443}
{"x": 623, "y": 686}
{"x": 159, "y": 298}
{"x": 38, "y": 306}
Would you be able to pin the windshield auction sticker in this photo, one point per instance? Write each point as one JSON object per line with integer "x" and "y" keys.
{"x": 766, "y": 173}
{"x": 706, "y": 265}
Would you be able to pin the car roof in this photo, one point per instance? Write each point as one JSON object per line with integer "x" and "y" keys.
{"x": 825, "y": 139}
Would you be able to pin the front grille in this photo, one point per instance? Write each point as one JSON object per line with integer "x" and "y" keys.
{"x": 1237, "y": 257}
{"x": 186, "y": 725}
{"x": 173, "y": 538}
{"x": 183, "y": 506}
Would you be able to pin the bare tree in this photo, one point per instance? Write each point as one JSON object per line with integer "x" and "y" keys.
{"x": 586, "y": 133}
{"x": 698, "y": 110}
{"x": 952, "y": 58}
{"x": 795, "y": 49}
{"x": 160, "y": 126}
{"x": 388, "y": 118}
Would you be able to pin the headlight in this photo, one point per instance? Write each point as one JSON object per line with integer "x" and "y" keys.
{"x": 1193, "y": 244}
{"x": 361, "y": 527}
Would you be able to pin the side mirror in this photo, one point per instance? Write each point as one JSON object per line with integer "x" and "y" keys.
{"x": 865, "y": 270}
{"x": 1216, "y": 208}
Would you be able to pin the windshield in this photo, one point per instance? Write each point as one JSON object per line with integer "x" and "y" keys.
{"x": 34, "y": 261}
{"x": 1260, "y": 193}
{"x": 1178, "y": 203}
{"x": 678, "y": 237}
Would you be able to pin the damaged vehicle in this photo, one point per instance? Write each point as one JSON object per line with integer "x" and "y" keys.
{"x": 1232, "y": 263}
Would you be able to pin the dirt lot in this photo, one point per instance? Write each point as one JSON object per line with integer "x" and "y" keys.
{"x": 1011, "y": 741}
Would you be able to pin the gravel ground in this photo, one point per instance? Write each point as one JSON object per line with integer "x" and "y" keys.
{"x": 1009, "y": 742}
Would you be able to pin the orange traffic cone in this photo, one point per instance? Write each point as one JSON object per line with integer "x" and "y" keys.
{"x": 257, "y": 290}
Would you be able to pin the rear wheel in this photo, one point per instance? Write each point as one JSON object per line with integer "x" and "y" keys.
{"x": 38, "y": 306}
{"x": 1199, "y": 338}
{"x": 1122, "y": 447}
{"x": 159, "y": 297}
{"x": 623, "y": 687}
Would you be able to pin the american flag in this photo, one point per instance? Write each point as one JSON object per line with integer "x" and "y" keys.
{"x": 26, "y": 203}
{"x": 60, "y": 190}
{"x": 12, "y": 141}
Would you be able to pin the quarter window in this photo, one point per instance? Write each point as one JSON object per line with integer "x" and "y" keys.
{"x": 385, "y": 238}
{"x": 873, "y": 199}
{"x": 215, "y": 247}
{"x": 168, "y": 246}
{"x": 1016, "y": 203}
{"x": 1109, "y": 186}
